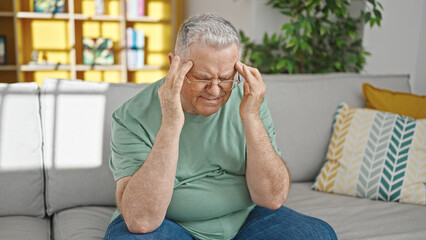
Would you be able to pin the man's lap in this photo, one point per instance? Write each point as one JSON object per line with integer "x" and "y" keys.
{"x": 118, "y": 230}
{"x": 262, "y": 223}
{"x": 281, "y": 224}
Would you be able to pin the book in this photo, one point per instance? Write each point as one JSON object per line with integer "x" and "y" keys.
{"x": 135, "y": 58}
{"x": 49, "y": 6}
{"x": 2, "y": 50}
{"x": 135, "y": 8}
{"x": 141, "y": 8}
{"x": 135, "y": 48}
{"x": 99, "y": 7}
{"x": 140, "y": 39}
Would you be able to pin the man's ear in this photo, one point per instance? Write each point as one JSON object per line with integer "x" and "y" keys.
{"x": 171, "y": 55}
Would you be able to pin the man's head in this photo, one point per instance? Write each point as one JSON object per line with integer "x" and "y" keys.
{"x": 213, "y": 45}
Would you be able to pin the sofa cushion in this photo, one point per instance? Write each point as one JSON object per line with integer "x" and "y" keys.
{"x": 82, "y": 223}
{"x": 407, "y": 104}
{"x": 24, "y": 227}
{"x": 21, "y": 169}
{"x": 378, "y": 155}
{"x": 76, "y": 125}
{"x": 360, "y": 218}
{"x": 302, "y": 107}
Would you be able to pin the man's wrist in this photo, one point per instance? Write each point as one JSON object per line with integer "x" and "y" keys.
{"x": 251, "y": 121}
{"x": 172, "y": 128}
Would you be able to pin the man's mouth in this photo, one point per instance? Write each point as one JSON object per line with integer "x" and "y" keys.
{"x": 207, "y": 99}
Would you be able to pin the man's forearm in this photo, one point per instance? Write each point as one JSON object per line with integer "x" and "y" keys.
{"x": 148, "y": 193}
{"x": 267, "y": 176}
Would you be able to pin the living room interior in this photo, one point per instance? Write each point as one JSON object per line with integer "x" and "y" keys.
{"x": 354, "y": 141}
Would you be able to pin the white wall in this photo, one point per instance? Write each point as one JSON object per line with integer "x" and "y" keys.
{"x": 251, "y": 16}
{"x": 397, "y": 47}
{"x": 238, "y": 12}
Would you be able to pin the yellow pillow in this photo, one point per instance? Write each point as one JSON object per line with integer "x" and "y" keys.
{"x": 406, "y": 104}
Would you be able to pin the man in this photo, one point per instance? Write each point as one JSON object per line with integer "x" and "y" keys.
{"x": 194, "y": 154}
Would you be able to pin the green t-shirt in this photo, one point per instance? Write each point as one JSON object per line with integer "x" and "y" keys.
{"x": 210, "y": 197}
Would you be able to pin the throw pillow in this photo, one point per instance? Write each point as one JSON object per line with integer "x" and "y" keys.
{"x": 376, "y": 155}
{"x": 406, "y": 104}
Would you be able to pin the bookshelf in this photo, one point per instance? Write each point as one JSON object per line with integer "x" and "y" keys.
{"x": 57, "y": 38}
{"x": 8, "y": 71}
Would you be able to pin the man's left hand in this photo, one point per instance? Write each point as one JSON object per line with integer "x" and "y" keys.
{"x": 254, "y": 91}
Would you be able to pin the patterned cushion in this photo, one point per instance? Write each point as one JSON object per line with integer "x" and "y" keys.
{"x": 376, "y": 155}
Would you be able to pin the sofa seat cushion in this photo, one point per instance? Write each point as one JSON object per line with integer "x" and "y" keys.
{"x": 23, "y": 227}
{"x": 359, "y": 218}
{"x": 82, "y": 223}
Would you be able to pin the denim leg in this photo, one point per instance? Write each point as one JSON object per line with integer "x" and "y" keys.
{"x": 168, "y": 230}
{"x": 282, "y": 224}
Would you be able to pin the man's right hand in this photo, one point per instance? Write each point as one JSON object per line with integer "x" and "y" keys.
{"x": 169, "y": 93}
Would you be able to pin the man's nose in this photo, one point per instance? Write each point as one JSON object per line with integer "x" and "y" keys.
{"x": 214, "y": 89}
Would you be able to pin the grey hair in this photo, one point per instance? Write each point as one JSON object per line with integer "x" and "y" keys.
{"x": 209, "y": 30}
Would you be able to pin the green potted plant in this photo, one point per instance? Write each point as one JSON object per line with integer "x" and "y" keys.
{"x": 320, "y": 37}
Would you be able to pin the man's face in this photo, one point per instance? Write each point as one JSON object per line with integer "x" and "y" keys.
{"x": 209, "y": 64}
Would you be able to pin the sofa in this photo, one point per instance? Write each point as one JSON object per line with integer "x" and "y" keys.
{"x": 55, "y": 181}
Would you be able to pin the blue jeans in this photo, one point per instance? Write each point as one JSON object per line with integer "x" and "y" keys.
{"x": 261, "y": 223}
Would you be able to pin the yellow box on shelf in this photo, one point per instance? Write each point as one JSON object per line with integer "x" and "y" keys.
{"x": 148, "y": 76}
{"x": 159, "y": 9}
{"x": 96, "y": 29}
{"x": 39, "y": 76}
{"x": 102, "y": 76}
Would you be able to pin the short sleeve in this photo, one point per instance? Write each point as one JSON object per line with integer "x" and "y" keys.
{"x": 129, "y": 149}
{"x": 266, "y": 118}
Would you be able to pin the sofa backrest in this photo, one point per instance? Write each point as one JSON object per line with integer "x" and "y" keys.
{"x": 303, "y": 107}
{"x": 21, "y": 165}
{"x": 76, "y": 120}
{"x": 71, "y": 141}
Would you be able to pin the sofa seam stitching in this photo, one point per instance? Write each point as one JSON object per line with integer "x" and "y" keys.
{"x": 44, "y": 175}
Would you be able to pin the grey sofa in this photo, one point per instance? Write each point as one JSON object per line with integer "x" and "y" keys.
{"x": 55, "y": 181}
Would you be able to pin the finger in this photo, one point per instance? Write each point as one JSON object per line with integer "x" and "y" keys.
{"x": 243, "y": 70}
{"x": 185, "y": 68}
{"x": 239, "y": 67}
{"x": 255, "y": 72}
{"x": 248, "y": 76}
{"x": 258, "y": 81}
{"x": 246, "y": 88}
{"x": 174, "y": 67}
